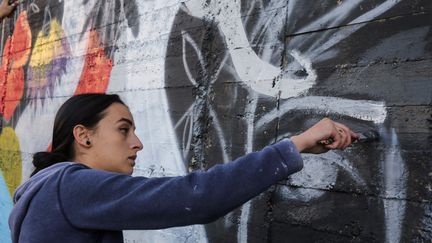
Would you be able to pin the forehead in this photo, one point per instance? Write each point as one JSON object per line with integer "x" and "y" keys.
{"x": 117, "y": 111}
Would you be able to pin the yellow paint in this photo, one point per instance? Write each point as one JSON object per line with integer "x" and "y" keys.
{"x": 47, "y": 47}
{"x": 10, "y": 158}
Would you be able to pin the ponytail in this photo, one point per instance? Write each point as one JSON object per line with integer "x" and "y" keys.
{"x": 42, "y": 160}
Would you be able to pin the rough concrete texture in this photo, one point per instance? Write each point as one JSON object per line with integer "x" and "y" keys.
{"x": 208, "y": 81}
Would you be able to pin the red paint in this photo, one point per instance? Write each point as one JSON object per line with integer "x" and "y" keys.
{"x": 15, "y": 55}
{"x": 14, "y": 91}
{"x": 97, "y": 68}
{"x": 21, "y": 41}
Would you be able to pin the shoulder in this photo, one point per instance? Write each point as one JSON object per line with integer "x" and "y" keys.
{"x": 79, "y": 178}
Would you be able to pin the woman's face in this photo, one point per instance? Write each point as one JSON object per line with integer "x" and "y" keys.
{"x": 114, "y": 145}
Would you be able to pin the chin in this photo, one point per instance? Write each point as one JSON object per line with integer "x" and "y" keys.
{"x": 129, "y": 171}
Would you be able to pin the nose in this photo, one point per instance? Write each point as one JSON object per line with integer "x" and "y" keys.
{"x": 136, "y": 143}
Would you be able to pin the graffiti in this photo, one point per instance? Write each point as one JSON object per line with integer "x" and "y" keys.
{"x": 208, "y": 81}
{"x": 108, "y": 16}
{"x": 97, "y": 68}
{"x": 42, "y": 56}
{"x": 10, "y": 159}
{"x": 10, "y": 176}
{"x": 202, "y": 70}
{"x": 48, "y": 61}
{"x": 5, "y": 208}
{"x": 15, "y": 55}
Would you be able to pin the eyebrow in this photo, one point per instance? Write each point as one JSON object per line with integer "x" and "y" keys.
{"x": 126, "y": 120}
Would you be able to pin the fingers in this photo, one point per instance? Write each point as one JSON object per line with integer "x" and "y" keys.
{"x": 323, "y": 136}
{"x": 350, "y": 134}
{"x": 337, "y": 140}
{"x": 345, "y": 134}
{"x": 342, "y": 136}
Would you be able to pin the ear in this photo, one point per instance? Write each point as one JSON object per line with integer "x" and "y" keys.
{"x": 82, "y": 135}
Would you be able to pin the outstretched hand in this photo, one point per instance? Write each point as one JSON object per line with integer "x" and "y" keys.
{"x": 310, "y": 141}
{"x": 6, "y": 9}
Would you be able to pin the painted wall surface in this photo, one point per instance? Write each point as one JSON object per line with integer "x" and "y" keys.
{"x": 208, "y": 81}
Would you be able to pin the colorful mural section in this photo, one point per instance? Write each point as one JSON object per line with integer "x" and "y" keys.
{"x": 30, "y": 73}
{"x": 10, "y": 177}
{"x": 48, "y": 61}
{"x": 97, "y": 67}
{"x": 208, "y": 81}
{"x": 15, "y": 55}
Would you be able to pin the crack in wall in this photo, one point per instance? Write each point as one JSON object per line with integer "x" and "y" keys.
{"x": 378, "y": 20}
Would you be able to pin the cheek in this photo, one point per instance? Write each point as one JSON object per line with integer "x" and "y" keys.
{"x": 109, "y": 149}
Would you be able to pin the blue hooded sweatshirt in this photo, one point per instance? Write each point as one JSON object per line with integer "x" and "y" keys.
{"x": 70, "y": 202}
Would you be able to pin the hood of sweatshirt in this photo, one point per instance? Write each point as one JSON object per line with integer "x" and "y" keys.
{"x": 25, "y": 193}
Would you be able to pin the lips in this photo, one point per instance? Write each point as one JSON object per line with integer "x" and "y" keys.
{"x": 132, "y": 158}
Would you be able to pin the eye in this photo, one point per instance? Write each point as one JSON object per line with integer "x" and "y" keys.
{"x": 124, "y": 130}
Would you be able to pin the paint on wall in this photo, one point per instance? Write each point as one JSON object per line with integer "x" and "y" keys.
{"x": 14, "y": 56}
{"x": 48, "y": 61}
{"x": 215, "y": 80}
{"x": 10, "y": 158}
{"x": 97, "y": 67}
{"x": 5, "y": 208}
{"x": 10, "y": 177}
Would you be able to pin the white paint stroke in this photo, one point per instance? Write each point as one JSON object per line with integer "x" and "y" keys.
{"x": 186, "y": 38}
{"x": 320, "y": 172}
{"x": 221, "y": 66}
{"x": 187, "y": 119}
{"x": 395, "y": 177}
{"x": 242, "y": 234}
{"x": 292, "y": 4}
{"x": 343, "y": 33}
{"x": 352, "y": 171}
{"x": 251, "y": 69}
{"x": 332, "y": 18}
{"x": 250, "y": 115}
{"x": 249, "y": 12}
{"x": 190, "y": 234}
{"x": 187, "y": 131}
{"x": 261, "y": 75}
{"x": 367, "y": 110}
{"x": 220, "y": 135}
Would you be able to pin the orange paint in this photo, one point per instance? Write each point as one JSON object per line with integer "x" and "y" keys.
{"x": 21, "y": 41}
{"x": 14, "y": 91}
{"x": 15, "y": 55}
{"x": 97, "y": 68}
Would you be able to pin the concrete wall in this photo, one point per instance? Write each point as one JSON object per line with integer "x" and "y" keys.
{"x": 208, "y": 81}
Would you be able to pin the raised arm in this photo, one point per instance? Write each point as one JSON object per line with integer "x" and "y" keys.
{"x": 109, "y": 201}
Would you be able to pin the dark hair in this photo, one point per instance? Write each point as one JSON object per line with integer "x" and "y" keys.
{"x": 84, "y": 109}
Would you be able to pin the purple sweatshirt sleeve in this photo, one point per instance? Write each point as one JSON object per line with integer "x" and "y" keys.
{"x": 109, "y": 201}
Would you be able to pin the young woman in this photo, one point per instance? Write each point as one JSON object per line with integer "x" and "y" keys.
{"x": 82, "y": 190}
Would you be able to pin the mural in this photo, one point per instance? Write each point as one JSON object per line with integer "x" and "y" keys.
{"x": 208, "y": 81}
